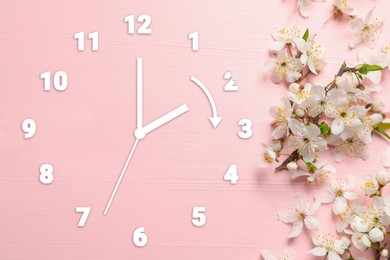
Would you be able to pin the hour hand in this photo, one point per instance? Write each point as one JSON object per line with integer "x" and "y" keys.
{"x": 140, "y": 133}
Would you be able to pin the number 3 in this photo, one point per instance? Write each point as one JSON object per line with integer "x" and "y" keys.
{"x": 246, "y": 127}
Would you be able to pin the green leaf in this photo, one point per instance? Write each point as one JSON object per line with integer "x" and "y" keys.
{"x": 306, "y": 35}
{"x": 365, "y": 68}
{"x": 325, "y": 129}
{"x": 381, "y": 131}
{"x": 384, "y": 125}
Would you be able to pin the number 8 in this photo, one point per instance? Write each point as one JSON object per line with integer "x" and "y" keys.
{"x": 46, "y": 176}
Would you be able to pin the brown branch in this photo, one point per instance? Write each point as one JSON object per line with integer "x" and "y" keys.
{"x": 293, "y": 157}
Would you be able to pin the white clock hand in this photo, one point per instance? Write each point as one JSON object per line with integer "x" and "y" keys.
{"x": 121, "y": 176}
{"x": 139, "y": 93}
{"x": 140, "y": 133}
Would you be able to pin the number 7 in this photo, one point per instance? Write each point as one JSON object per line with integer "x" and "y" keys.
{"x": 84, "y": 216}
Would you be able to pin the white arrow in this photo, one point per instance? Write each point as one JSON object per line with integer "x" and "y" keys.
{"x": 215, "y": 119}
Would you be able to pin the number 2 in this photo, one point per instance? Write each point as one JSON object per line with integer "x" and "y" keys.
{"x": 230, "y": 85}
{"x": 84, "y": 216}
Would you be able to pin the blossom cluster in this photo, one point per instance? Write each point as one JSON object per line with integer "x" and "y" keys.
{"x": 361, "y": 226}
{"x": 367, "y": 30}
{"x": 312, "y": 118}
{"x": 339, "y": 117}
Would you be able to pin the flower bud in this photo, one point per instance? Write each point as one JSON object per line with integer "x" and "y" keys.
{"x": 294, "y": 88}
{"x": 384, "y": 253}
{"x": 377, "y": 104}
{"x": 369, "y": 185}
{"x": 277, "y": 145}
{"x": 300, "y": 112}
{"x": 376, "y": 235}
{"x": 383, "y": 177}
{"x": 292, "y": 166}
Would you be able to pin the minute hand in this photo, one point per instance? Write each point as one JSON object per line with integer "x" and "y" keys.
{"x": 165, "y": 119}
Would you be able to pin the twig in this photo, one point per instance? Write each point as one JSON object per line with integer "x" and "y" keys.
{"x": 293, "y": 157}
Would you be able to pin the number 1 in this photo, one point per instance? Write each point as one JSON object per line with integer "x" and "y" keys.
{"x": 195, "y": 40}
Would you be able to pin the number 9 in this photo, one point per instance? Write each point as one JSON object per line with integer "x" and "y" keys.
{"x": 46, "y": 176}
{"x": 29, "y": 128}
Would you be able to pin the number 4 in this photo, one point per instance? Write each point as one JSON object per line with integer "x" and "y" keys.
{"x": 84, "y": 216}
{"x": 231, "y": 174}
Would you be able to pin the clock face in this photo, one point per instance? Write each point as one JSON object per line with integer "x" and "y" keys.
{"x": 129, "y": 131}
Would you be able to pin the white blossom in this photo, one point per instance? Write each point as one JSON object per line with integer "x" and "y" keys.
{"x": 373, "y": 57}
{"x": 316, "y": 101}
{"x": 348, "y": 148}
{"x": 312, "y": 54}
{"x": 369, "y": 217}
{"x": 360, "y": 240}
{"x": 386, "y": 50}
{"x": 317, "y": 173}
{"x": 306, "y": 139}
{"x": 369, "y": 185}
{"x": 283, "y": 37}
{"x": 284, "y": 67}
{"x": 267, "y": 158}
{"x": 286, "y": 254}
{"x": 304, "y": 6}
{"x": 345, "y": 117}
{"x": 367, "y": 30}
{"x": 329, "y": 245}
{"x": 301, "y": 95}
{"x": 365, "y": 131}
{"x": 300, "y": 214}
{"x": 343, "y": 7}
{"x": 338, "y": 191}
{"x": 282, "y": 116}
{"x": 348, "y": 215}
{"x": 383, "y": 177}
{"x": 377, "y": 104}
{"x": 385, "y": 158}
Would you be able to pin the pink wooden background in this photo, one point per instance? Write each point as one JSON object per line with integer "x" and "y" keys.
{"x": 86, "y": 132}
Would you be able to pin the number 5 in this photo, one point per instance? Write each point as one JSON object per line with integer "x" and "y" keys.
{"x": 84, "y": 216}
{"x": 198, "y": 216}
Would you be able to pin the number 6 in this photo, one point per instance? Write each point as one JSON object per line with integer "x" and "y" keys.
{"x": 140, "y": 239}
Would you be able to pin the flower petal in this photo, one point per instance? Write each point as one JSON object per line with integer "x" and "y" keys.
{"x": 312, "y": 223}
{"x": 296, "y": 229}
{"x": 267, "y": 255}
{"x": 318, "y": 251}
{"x": 385, "y": 160}
{"x": 339, "y": 205}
